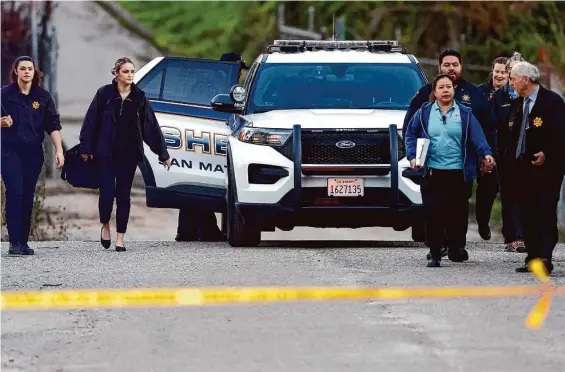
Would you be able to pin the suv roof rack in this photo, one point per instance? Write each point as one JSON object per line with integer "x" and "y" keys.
{"x": 374, "y": 46}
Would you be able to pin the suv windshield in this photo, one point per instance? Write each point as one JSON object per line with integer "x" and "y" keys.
{"x": 334, "y": 86}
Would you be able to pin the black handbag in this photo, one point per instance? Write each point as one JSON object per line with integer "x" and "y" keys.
{"x": 79, "y": 173}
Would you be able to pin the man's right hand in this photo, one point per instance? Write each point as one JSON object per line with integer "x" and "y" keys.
{"x": 7, "y": 121}
{"x": 413, "y": 164}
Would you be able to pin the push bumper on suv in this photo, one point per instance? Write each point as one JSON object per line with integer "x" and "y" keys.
{"x": 310, "y": 206}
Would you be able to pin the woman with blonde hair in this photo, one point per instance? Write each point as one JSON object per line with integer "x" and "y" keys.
{"x": 457, "y": 141}
{"x": 119, "y": 120}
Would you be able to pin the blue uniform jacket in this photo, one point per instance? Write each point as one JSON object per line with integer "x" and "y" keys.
{"x": 489, "y": 128}
{"x": 466, "y": 94}
{"x": 498, "y": 119}
{"x": 486, "y": 88}
{"x": 473, "y": 138}
{"x": 33, "y": 115}
{"x": 97, "y": 134}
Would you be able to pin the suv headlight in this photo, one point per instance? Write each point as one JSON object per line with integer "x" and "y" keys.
{"x": 264, "y": 136}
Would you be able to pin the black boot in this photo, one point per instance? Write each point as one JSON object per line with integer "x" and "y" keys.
{"x": 21, "y": 250}
{"x": 27, "y": 251}
{"x": 15, "y": 249}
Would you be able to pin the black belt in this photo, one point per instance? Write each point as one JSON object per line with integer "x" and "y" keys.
{"x": 431, "y": 171}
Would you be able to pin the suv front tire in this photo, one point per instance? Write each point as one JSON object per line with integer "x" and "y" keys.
{"x": 240, "y": 234}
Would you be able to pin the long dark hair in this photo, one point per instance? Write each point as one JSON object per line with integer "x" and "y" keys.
{"x": 434, "y": 84}
{"x": 37, "y": 75}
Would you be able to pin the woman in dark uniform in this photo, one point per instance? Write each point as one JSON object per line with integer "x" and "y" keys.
{"x": 457, "y": 144}
{"x": 116, "y": 124}
{"x": 27, "y": 112}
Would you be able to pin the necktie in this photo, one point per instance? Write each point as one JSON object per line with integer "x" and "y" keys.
{"x": 521, "y": 148}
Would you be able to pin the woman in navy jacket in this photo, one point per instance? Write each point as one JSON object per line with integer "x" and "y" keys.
{"x": 457, "y": 141}
{"x": 27, "y": 112}
{"x": 117, "y": 123}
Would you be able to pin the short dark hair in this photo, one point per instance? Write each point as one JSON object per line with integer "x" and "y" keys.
{"x": 434, "y": 84}
{"x": 500, "y": 60}
{"x": 449, "y": 52}
{"x": 37, "y": 75}
{"x": 438, "y": 78}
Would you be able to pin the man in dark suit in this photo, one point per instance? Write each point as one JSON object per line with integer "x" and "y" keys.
{"x": 536, "y": 139}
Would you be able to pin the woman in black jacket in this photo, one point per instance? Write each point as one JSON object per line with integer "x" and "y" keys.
{"x": 28, "y": 112}
{"x": 118, "y": 121}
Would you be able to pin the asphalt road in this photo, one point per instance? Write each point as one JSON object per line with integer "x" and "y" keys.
{"x": 400, "y": 336}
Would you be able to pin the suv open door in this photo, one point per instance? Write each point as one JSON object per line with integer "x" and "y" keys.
{"x": 180, "y": 91}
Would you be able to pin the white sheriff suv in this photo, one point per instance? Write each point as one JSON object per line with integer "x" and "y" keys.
{"x": 312, "y": 138}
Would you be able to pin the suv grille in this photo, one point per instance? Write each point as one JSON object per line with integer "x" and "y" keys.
{"x": 371, "y": 147}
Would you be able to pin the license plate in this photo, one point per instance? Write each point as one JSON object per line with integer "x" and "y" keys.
{"x": 346, "y": 187}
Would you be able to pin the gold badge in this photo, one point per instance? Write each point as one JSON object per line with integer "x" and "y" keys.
{"x": 510, "y": 124}
{"x": 538, "y": 122}
{"x": 35, "y": 105}
{"x": 466, "y": 98}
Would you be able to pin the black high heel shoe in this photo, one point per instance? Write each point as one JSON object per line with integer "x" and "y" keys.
{"x": 120, "y": 248}
{"x": 105, "y": 243}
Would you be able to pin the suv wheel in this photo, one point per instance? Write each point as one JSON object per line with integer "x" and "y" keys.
{"x": 239, "y": 234}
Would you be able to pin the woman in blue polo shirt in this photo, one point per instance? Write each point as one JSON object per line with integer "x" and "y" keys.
{"x": 27, "y": 112}
{"x": 457, "y": 142}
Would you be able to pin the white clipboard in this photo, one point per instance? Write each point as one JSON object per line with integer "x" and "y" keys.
{"x": 422, "y": 146}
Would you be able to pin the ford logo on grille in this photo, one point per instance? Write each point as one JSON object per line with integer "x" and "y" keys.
{"x": 345, "y": 144}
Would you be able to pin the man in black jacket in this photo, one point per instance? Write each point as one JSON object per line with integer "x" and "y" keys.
{"x": 450, "y": 63}
{"x": 535, "y": 143}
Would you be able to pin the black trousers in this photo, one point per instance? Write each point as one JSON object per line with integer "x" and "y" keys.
{"x": 539, "y": 189}
{"x": 487, "y": 189}
{"x": 116, "y": 179}
{"x": 511, "y": 223}
{"x": 21, "y": 166}
{"x": 193, "y": 224}
{"x": 445, "y": 196}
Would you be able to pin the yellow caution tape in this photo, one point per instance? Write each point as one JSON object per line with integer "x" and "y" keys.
{"x": 164, "y": 297}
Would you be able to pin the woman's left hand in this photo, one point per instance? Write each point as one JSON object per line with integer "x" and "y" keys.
{"x": 489, "y": 163}
{"x": 489, "y": 159}
{"x": 60, "y": 158}
{"x": 167, "y": 164}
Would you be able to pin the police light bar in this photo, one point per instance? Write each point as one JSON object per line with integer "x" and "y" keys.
{"x": 377, "y": 45}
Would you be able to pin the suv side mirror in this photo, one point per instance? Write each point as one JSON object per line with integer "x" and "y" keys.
{"x": 224, "y": 103}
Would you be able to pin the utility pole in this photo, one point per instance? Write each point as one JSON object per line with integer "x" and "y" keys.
{"x": 49, "y": 165}
{"x": 33, "y": 18}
